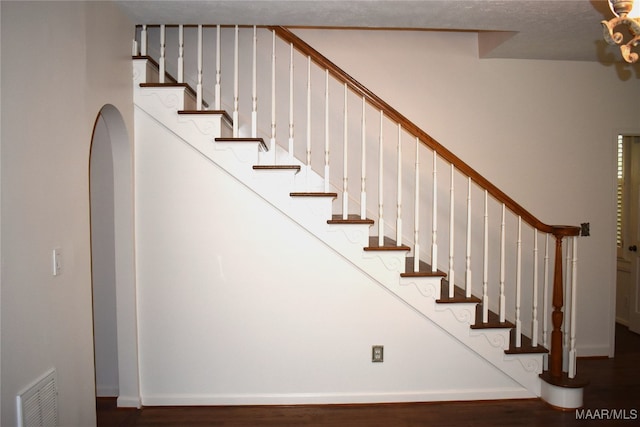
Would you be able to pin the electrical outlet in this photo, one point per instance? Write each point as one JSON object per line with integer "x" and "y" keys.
{"x": 377, "y": 353}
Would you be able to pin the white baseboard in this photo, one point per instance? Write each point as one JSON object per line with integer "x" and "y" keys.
{"x": 129, "y": 402}
{"x": 593, "y": 351}
{"x": 335, "y": 398}
{"x": 107, "y": 391}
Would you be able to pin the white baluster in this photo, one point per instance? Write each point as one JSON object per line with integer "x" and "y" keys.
{"x": 134, "y": 43}
{"x": 502, "y": 266}
{"x": 545, "y": 301}
{"x": 218, "y": 101}
{"x": 327, "y": 183}
{"x": 236, "y": 78}
{"x": 291, "y": 102}
{"x": 399, "y": 180}
{"x": 272, "y": 141}
{"x": 308, "y": 123}
{"x": 254, "y": 86}
{"x": 485, "y": 269}
{"x": 199, "y": 84}
{"x": 180, "y": 53}
{"x": 143, "y": 41}
{"x": 161, "y": 61}
{"x": 468, "y": 255}
{"x": 534, "y": 312}
{"x": 381, "y": 184}
{"x": 416, "y": 213}
{"x": 434, "y": 217}
{"x": 363, "y": 169}
{"x": 518, "y": 284}
{"x": 451, "y": 275}
{"x": 345, "y": 153}
{"x": 574, "y": 296}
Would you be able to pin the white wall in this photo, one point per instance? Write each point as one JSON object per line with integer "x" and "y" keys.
{"x": 240, "y": 305}
{"x": 542, "y": 131}
{"x": 63, "y": 61}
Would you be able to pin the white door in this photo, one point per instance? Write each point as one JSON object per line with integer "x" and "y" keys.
{"x": 632, "y": 242}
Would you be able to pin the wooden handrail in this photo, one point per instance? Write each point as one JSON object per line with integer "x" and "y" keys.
{"x": 409, "y": 126}
{"x": 555, "y": 374}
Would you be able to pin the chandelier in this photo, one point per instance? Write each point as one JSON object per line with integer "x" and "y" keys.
{"x": 626, "y": 15}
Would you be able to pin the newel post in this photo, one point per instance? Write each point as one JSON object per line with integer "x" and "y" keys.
{"x": 557, "y": 317}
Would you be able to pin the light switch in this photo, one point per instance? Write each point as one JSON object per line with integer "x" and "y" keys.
{"x": 56, "y": 260}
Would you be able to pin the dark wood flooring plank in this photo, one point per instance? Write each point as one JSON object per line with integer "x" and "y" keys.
{"x": 614, "y": 384}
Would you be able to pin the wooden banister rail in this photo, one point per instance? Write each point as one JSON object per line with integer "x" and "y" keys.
{"x": 409, "y": 126}
{"x": 559, "y": 231}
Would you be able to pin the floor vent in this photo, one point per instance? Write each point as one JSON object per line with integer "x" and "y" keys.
{"x": 38, "y": 404}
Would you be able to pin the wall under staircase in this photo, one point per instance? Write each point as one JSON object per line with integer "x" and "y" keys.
{"x": 238, "y": 304}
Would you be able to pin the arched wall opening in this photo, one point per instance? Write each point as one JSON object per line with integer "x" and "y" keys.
{"x": 113, "y": 259}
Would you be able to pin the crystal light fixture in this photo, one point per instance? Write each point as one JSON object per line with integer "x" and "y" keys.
{"x": 627, "y": 15}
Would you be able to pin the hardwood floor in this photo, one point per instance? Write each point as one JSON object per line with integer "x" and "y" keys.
{"x": 614, "y": 385}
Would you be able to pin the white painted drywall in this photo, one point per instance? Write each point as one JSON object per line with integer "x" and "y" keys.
{"x": 239, "y": 305}
{"x": 63, "y": 61}
{"x": 542, "y": 131}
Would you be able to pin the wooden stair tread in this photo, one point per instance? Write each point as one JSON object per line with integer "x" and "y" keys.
{"x": 564, "y": 380}
{"x": 314, "y": 194}
{"x": 147, "y": 57}
{"x": 525, "y": 345}
{"x": 424, "y": 270}
{"x": 222, "y": 113}
{"x": 351, "y": 219}
{"x": 459, "y": 295}
{"x": 166, "y": 84}
{"x": 493, "y": 320}
{"x": 388, "y": 245}
{"x": 202, "y": 112}
{"x": 239, "y": 140}
{"x": 277, "y": 167}
{"x": 260, "y": 141}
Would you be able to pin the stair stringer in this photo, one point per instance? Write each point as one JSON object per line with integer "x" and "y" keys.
{"x": 348, "y": 240}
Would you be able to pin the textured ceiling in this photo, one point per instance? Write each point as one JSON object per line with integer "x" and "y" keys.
{"x": 533, "y": 29}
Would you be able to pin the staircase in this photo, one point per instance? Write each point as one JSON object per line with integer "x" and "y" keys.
{"x": 334, "y": 125}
